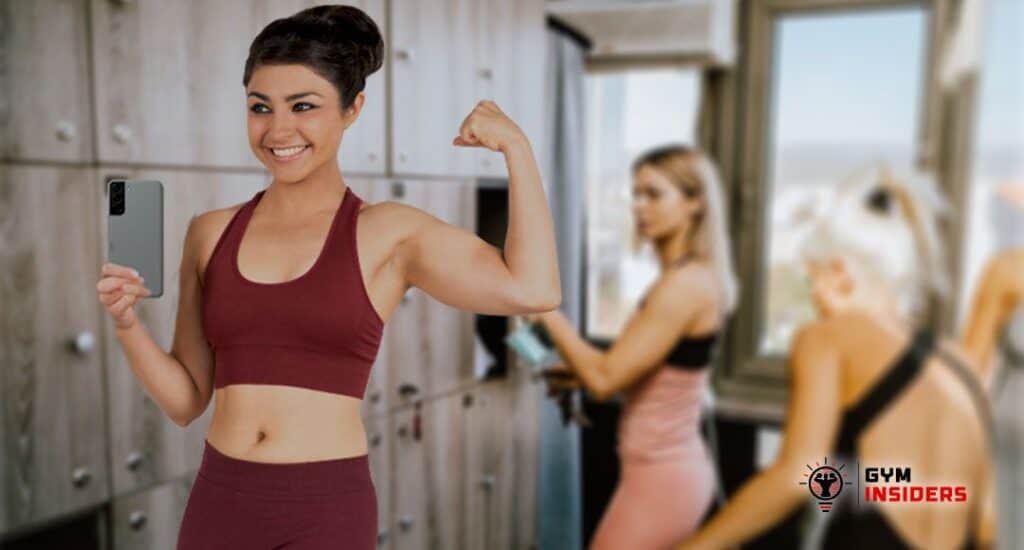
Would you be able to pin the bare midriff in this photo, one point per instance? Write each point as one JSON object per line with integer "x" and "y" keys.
{"x": 274, "y": 423}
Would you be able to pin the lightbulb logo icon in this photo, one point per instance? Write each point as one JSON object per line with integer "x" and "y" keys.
{"x": 825, "y": 482}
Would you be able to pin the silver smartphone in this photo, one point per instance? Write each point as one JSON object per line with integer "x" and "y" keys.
{"x": 135, "y": 229}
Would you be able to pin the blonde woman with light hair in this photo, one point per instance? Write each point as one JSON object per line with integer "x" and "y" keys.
{"x": 868, "y": 388}
{"x": 661, "y": 360}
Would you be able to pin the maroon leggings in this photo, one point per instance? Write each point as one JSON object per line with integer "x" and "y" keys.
{"x": 320, "y": 504}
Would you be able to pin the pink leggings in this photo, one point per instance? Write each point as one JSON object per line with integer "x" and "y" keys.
{"x": 656, "y": 505}
{"x": 319, "y": 504}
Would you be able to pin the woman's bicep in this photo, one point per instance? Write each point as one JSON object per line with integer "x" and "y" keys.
{"x": 460, "y": 269}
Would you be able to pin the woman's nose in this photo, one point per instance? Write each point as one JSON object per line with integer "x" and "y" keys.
{"x": 281, "y": 124}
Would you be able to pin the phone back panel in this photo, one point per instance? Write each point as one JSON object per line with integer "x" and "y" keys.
{"x": 136, "y": 237}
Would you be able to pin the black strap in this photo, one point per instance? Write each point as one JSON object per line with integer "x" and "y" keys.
{"x": 858, "y": 417}
{"x": 981, "y": 402}
{"x": 884, "y": 392}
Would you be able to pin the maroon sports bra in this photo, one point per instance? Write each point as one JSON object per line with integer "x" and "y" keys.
{"x": 317, "y": 331}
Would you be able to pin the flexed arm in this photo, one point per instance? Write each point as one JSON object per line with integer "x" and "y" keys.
{"x": 459, "y": 268}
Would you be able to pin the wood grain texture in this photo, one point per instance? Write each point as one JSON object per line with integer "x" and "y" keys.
{"x": 427, "y": 509}
{"x": 150, "y": 518}
{"x": 511, "y": 52}
{"x": 430, "y": 344}
{"x": 51, "y": 396}
{"x": 432, "y": 85}
{"x": 45, "y": 101}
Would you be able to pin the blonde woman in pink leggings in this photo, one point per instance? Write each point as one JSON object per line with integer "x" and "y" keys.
{"x": 661, "y": 358}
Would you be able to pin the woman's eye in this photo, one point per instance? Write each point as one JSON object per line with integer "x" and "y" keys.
{"x": 298, "y": 107}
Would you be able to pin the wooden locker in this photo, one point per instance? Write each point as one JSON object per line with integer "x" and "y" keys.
{"x": 486, "y": 486}
{"x": 510, "y": 70}
{"x": 46, "y": 112}
{"x": 426, "y": 482}
{"x": 409, "y": 497}
{"x": 432, "y": 85}
{"x": 52, "y": 418}
{"x": 151, "y": 517}
{"x": 430, "y": 344}
{"x": 502, "y": 446}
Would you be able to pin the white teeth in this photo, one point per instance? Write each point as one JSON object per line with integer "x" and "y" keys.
{"x": 289, "y": 151}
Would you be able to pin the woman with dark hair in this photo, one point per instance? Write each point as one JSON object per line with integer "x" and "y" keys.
{"x": 662, "y": 358}
{"x": 284, "y": 297}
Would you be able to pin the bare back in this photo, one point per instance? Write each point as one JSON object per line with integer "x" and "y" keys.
{"x": 933, "y": 426}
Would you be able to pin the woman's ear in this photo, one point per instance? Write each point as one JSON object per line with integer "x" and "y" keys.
{"x": 351, "y": 114}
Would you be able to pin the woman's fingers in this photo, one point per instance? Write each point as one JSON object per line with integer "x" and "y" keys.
{"x": 565, "y": 385}
{"x": 118, "y": 290}
{"x": 561, "y": 378}
{"x": 109, "y": 298}
{"x": 118, "y": 270}
{"x": 117, "y": 284}
{"x": 122, "y": 304}
{"x": 137, "y": 290}
{"x": 467, "y": 136}
{"x": 463, "y": 143}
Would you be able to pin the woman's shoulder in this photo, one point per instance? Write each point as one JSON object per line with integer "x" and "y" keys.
{"x": 690, "y": 276}
{"x": 206, "y": 229}
{"x": 210, "y": 224}
{"x": 692, "y": 285}
{"x": 393, "y": 220}
{"x": 835, "y": 330}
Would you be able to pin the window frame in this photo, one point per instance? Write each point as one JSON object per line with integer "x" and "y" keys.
{"x": 750, "y": 384}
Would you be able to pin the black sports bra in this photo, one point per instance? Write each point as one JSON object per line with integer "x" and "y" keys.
{"x": 692, "y": 353}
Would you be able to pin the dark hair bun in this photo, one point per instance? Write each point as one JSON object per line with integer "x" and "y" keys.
{"x": 341, "y": 43}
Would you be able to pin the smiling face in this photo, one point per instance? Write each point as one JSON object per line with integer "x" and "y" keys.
{"x": 295, "y": 120}
{"x": 660, "y": 207}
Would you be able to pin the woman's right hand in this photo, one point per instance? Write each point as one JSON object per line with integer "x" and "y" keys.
{"x": 559, "y": 378}
{"x": 118, "y": 290}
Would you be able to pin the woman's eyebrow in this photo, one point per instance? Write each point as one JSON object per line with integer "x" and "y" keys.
{"x": 292, "y": 97}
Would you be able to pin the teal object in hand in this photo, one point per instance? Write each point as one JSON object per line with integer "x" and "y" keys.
{"x": 528, "y": 345}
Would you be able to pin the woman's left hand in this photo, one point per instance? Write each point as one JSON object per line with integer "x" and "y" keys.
{"x": 488, "y": 126}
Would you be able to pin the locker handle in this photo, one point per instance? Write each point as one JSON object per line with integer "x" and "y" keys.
{"x": 405, "y": 389}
